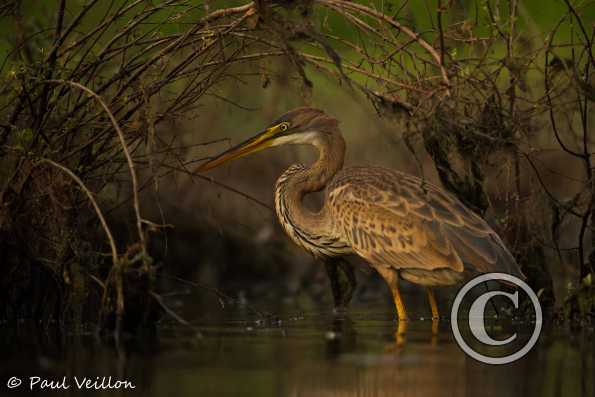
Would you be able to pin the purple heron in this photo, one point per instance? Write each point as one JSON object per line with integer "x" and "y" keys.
{"x": 403, "y": 226}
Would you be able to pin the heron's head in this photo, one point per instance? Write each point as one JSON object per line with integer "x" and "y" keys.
{"x": 299, "y": 126}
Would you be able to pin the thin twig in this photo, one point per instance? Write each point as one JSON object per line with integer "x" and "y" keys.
{"x": 424, "y": 44}
{"x": 133, "y": 177}
{"x": 172, "y": 313}
{"x": 89, "y": 194}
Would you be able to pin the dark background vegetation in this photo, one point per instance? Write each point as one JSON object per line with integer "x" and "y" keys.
{"x": 107, "y": 106}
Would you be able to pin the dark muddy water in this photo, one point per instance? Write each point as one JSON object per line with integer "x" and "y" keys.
{"x": 297, "y": 354}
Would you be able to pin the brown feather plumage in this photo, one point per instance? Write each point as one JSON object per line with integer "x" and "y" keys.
{"x": 398, "y": 220}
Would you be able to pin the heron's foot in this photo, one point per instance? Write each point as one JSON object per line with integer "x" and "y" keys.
{"x": 400, "y": 338}
{"x": 397, "y": 346}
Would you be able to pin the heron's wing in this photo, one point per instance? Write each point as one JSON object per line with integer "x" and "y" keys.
{"x": 395, "y": 219}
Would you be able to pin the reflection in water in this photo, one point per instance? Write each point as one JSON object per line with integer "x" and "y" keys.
{"x": 309, "y": 355}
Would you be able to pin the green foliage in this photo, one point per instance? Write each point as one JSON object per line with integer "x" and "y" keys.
{"x": 23, "y": 138}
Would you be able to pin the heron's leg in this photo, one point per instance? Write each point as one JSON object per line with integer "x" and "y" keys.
{"x": 399, "y": 300}
{"x": 391, "y": 276}
{"x": 433, "y": 304}
{"x": 349, "y": 283}
{"x": 435, "y": 313}
{"x": 342, "y": 280}
{"x": 332, "y": 271}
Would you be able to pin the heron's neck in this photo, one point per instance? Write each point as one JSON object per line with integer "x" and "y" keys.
{"x": 299, "y": 180}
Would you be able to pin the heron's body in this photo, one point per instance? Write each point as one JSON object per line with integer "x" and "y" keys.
{"x": 400, "y": 224}
{"x": 394, "y": 220}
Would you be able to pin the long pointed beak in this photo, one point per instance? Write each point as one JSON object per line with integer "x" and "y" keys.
{"x": 256, "y": 143}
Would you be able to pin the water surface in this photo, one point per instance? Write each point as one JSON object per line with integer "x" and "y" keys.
{"x": 297, "y": 354}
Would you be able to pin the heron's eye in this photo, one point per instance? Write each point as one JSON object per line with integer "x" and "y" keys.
{"x": 284, "y": 126}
